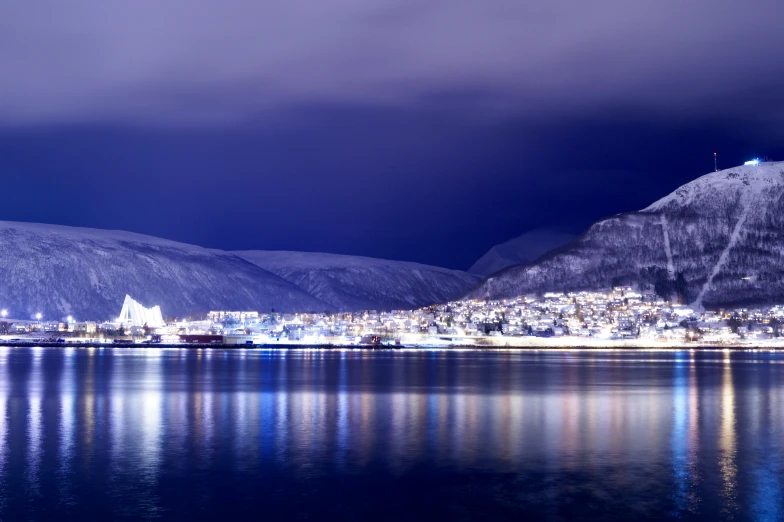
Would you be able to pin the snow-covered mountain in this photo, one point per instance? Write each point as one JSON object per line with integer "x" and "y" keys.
{"x": 362, "y": 283}
{"x": 525, "y": 248}
{"x": 718, "y": 240}
{"x": 60, "y": 271}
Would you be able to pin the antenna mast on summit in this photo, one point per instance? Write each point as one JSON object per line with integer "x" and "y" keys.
{"x": 715, "y": 165}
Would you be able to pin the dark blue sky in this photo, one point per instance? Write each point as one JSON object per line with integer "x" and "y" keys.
{"x": 425, "y": 131}
{"x": 411, "y": 185}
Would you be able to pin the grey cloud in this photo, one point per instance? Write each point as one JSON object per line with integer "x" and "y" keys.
{"x": 149, "y": 61}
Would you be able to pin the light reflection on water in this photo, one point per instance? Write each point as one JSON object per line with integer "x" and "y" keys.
{"x": 727, "y": 444}
{"x": 197, "y": 434}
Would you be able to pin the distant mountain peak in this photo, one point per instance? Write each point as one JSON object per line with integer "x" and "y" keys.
{"x": 524, "y": 248}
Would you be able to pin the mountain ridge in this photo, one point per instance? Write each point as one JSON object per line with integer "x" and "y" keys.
{"x": 721, "y": 234}
{"x": 353, "y": 283}
{"x": 60, "y": 271}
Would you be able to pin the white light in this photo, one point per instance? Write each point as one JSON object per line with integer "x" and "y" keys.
{"x": 38, "y": 316}
{"x": 70, "y": 319}
{"x": 4, "y": 313}
{"x": 755, "y": 161}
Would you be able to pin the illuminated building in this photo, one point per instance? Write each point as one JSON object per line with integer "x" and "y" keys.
{"x": 134, "y": 314}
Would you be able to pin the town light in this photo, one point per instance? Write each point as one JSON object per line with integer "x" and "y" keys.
{"x": 4, "y": 313}
{"x": 38, "y": 316}
{"x": 70, "y": 319}
{"x": 753, "y": 162}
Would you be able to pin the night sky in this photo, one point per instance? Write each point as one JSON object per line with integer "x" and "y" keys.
{"x": 424, "y": 130}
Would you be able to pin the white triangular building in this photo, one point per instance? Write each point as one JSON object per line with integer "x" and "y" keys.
{"x": 134, "y": 314}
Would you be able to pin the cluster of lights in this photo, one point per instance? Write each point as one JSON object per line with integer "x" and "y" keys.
{"x": 753, "y": 162}
{"x": 38, "y": 316}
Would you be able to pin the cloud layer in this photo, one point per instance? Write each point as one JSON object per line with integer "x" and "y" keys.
{"x": 183, "y": 61}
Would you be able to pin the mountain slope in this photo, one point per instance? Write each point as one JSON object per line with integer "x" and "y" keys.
{"x": 361, "y": 283}
{"x": 525, "y": 248}
{"x": 86, "y": 273}
{"x": 722, "y": 233}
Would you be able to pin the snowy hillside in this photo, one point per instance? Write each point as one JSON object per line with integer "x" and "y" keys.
{"x": 720, "y": 236}
{"x": 361, "y": 283}
{"x": 60, "y": 271}
{"x": 522, "y": 249}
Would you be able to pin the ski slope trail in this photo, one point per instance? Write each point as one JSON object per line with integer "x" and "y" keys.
{"x": 667, "y": 249}
{"x": 726, "y": 252}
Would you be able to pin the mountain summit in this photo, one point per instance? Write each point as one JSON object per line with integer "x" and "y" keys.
{"x": 715, "y": 241}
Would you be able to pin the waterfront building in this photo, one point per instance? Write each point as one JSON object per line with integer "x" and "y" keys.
{"x": 134, "y": 314}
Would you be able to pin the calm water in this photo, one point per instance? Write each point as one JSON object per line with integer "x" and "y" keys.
{"x": 239, "y": 435}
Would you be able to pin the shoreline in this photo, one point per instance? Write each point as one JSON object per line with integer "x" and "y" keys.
{"x": 386, "y": 348}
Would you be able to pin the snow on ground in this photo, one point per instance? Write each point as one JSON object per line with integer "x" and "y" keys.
{"x": 353, "y": 283}
{"x": 83, "y": 233}
{"x": 667, "y": 249}
{"x": 321, "y": 260}
{"x": 747, "y": 202}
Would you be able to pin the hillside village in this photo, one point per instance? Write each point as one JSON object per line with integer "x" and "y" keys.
{"x": 566, "y": 319}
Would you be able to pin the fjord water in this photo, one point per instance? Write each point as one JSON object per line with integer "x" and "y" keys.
{"x": 116, "y": 434}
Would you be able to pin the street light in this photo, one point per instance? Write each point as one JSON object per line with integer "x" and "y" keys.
{"x": 4, "y": 313}
{"x": 38, "y": 316}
